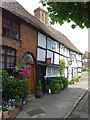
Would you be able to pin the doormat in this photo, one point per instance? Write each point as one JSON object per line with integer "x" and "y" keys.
{"x": 35, "y": 112}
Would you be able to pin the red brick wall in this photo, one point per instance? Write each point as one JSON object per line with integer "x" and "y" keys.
{"x": 0, "y": 26}
{"x": 28, "y": 36}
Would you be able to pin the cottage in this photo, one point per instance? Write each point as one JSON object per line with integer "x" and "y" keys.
{"x": 86, "y": 60}
{"x": 29, "y": 37}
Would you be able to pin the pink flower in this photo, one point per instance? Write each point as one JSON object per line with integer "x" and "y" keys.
{"x": 25, "y": 72}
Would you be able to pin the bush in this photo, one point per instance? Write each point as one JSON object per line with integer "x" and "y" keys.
{"x": 62, "y": 86}
{"x": 84, "y": 69}
{"x": 57, "y": 84}
{"x": 54, "y": 85}
{"x": 13, "y": 87}
{"x": 64, "y": 81}
{"x": 79, "y": 77}
{"x": 62, "y": 67}
{"x": 71, "y": 82}
{"x": 57, "y": 88}
{"x": 74, "y": 79}
{"x": 17, "y": 98}
{"x": 39, "y": 86}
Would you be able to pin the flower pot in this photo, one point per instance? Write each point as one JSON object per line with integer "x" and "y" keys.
{"x": 38, "y": 94}
{"x": 24, "y": 102}
{"x": 13, "y": 107}
{"x": 5, "y": 114}
{"x": 19, "y": 103}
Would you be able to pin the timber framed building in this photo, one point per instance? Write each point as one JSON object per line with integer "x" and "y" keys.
{"x": 26, "y": 35}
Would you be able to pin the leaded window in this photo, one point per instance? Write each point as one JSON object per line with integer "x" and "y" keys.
{"x": 10, "y": 28}
{"x": 7, "y": 59}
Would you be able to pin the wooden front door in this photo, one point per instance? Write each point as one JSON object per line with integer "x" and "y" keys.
{"x": 31, "y": 80}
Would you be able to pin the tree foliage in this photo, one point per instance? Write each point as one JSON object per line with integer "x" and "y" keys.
{"x": 62, "y": 67}
{"x": 60, "y": 12}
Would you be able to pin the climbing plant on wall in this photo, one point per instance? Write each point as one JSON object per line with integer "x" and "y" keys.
{"x": 62, "y": 67}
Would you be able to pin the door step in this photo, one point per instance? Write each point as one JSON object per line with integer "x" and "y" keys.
{"x": 30, "y": 97}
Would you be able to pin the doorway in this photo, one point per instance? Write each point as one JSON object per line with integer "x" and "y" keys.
{"x": 28, "y": 59}
{"x": 41, "y": 72}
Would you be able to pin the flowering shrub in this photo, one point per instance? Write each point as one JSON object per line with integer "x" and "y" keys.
{"x": 23, "y": 70}
{"x": 13, "y": 86}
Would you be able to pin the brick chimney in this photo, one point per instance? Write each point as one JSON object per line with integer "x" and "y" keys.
{"x": 41, "y": 14}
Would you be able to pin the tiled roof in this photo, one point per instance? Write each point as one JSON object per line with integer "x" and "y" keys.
{"x": 19, "y": 11}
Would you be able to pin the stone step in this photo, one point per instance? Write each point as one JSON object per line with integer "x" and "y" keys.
{"x": 30, "y": 97}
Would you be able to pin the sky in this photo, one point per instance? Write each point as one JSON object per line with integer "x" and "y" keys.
{"x": 78, "y": 36}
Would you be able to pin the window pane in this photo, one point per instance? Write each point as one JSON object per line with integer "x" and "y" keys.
{"x": 2, "y": 58}
{"x": 49, "y": 44}
{"x": 15, "y": 35}
{"x": 41, "y": 54}
{"x": 8, "y": 65}
{"x": 49, "y": 71}
{"x": 8, "y": 52}
{"x": 12, "y": 52}
{"x": 53, "y": 45}
{"x": 56, "y": 58}
{"x": 12, "y": 60}
{"x": 1, "y": 65}
{"x": 8, "y": 59}
{"x": 41, "y": 40}
{"x": 6, "y": 20}
{"x": 53, "y": 71}
{"x": 50, "y": 55}
{"x": 57, "y": 47}
{"x": 12, "y": 65}
{"x": 2, "y": 51}
{"x": 15, "y": 25}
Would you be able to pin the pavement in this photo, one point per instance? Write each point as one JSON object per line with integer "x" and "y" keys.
{"x": 81, "y": 110}
{"x": 56, "y": 105}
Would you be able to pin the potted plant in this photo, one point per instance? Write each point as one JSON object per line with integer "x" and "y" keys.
{"x": 5, "y": 112}
{"x": 18, "y": 100}
{"x": 38, "y": 93}
{"x": 13, "y": 104}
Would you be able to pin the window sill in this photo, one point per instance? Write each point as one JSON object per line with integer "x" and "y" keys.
{"x": 10, "y": 37}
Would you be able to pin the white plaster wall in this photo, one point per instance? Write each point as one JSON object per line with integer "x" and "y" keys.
{"x": 66, "y": 72}
{"x": 79, "y": 74}
{"x": 70, "y": 72}
{"x": 61, "y": 57}
{"x": 79, "y": 64}
{"x": 41, "y": 40}
{"x": 69, "y": 76}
